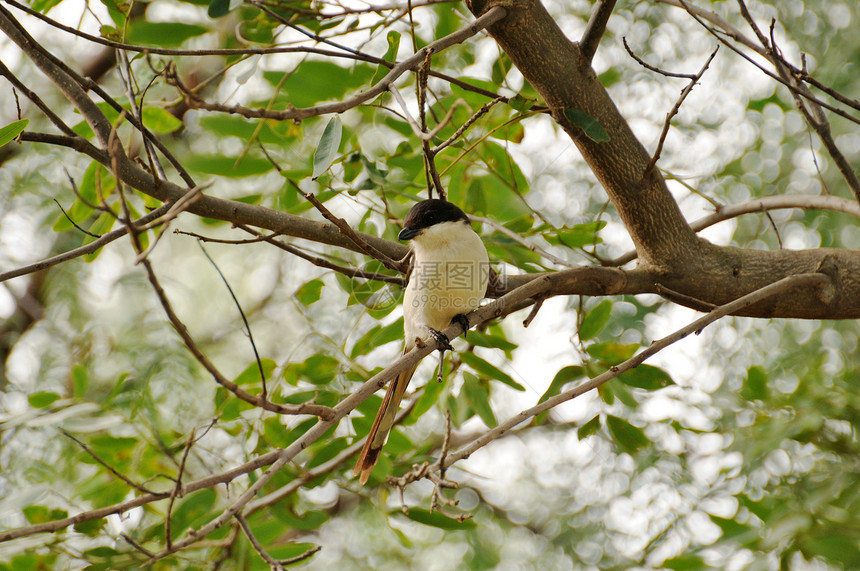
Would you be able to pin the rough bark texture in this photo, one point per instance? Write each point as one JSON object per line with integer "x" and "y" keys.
{"x": 665, "y": 244}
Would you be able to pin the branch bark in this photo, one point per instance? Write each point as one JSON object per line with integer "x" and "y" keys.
{"x": 665, "y": 243}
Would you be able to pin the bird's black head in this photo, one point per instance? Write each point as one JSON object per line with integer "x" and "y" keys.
{"x": 428, "y": 213}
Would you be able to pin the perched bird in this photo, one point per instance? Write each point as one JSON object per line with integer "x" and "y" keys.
{"x": 449, "y": 278}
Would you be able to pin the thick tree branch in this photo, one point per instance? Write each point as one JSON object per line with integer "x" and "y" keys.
{"x": 723, "y": 213}
{"x": 595, "y": 28}
{"x": 664, "y": 242}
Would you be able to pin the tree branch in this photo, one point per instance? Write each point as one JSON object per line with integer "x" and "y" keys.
{"x": 811, "y": 280}
{"x": 410, "y": 64}
{"x": 595, "y": 28}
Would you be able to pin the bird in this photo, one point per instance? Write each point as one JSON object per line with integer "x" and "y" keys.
{"x": 449, "y": 276}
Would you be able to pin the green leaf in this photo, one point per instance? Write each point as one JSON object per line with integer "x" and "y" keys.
{"x": 589, "y": 125}
{"x": 251, "y": 374}
{"x": 393, "y": 39}
{"x": 622, "y": 392}
{"x": 291, "y": 551}
{"x": 562, "y": 377}
{"x": 37, "y": 514}
{"x": 755, "y": 385}
{"x": 378, "y": 336}
{"x": 159, "y": 120}
{"x": 646, "y": 377}
{"x": 162, "y": 34}
{"x": 305, "y": 522}
{"x": 595, "y": 320}
{"x": 226, "y": 166}
{"x": 44, "y": 6}
{"x": 80, "y": 381}
{"x": 686, "y": 562}
{"x": 577, "y": 236}
{"x": 612, "y": 353}
{"x": 218, "y": 8}
{"x": 436, "y": 519}
{"x": 12, "y": 130}
{"x": 428, "y": 398}
{"x": 193, "y": 511}
{"x": 314, "y": 82}
{"x": 42, "y": 399}
{"x": 490, "y": 371}
{"x": 628, "y": 437}
{"x": 90, "y": 528}
{"x": 840, "y": 546}
{"x": 318, "y": 369}
{"x": 478, "y": 396}
{"x": 589, "y": 428}
{"x": 483, "y": 339}
{"x": 327, "y": 148}
{"x": 309, "y": 293}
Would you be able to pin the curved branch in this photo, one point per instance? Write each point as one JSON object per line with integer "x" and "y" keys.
{"x": 410, "y": 64}
{"x": 806, "y": 202}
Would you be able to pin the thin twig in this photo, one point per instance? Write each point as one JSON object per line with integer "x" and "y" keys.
{"x": 469, "y": 122}
{"x": 315, "y": 260}
{"x": 83, "y": 250}
{"x": 814, "y": 115}
{"x": 347, "y": 231}
{"x": 674, "y": 111}
{"x": 695, "y": 14}
{"x": 412, "y": 123}
{"x": 773, "y": 225}
{"x": 264, "y": 394}
{"x": 75, "y": 224}
{"x": 321, "y": 411}
{"x": 109, "y": 468}
{"x": 176, "y": 489}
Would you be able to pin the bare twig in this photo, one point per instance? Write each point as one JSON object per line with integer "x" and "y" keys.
{"x": 773, "y": 225}
{"x": 689, "y": 301}
{"x": 75, "y": 224}
{"x": 813, "y": 114}
{"x": 264, "y": 394}
{"x": 305, "y": 408}
{"x": 176, "y": 489}
{"x": 109, "y": 468}
{"x": 43, "y": 107}
{"x": 416, "y": 129}
{"x": 361, "y": 244}
{"x": 696, "y": 15}
{"x": 674, "y": 111}
{"x": 469, "y": 122}
{"x": 83, "y": 250}
{"x": 315, "y": 260}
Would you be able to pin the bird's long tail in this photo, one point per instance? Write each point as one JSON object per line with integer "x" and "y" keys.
{"x": 382, "y": 425}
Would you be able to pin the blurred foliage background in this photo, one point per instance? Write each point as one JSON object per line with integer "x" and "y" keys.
{"x": 734, "y": 450}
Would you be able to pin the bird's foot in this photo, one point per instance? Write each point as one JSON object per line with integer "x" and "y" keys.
{"x": 441, "y": 339}
{"x": 463, "y": 321}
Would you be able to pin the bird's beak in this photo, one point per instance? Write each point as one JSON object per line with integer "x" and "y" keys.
{"x": 407, "y": 233}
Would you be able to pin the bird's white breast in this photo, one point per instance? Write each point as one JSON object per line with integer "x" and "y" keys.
{"x": 449, "y": 277}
